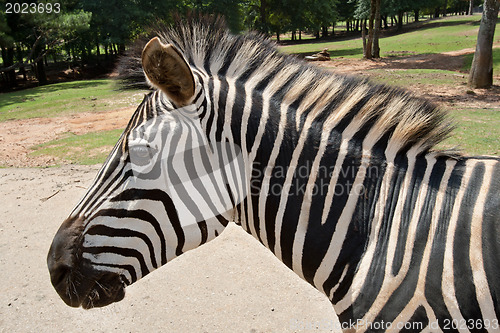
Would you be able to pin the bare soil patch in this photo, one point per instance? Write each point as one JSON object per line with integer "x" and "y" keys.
{"x": 18, "y": 136}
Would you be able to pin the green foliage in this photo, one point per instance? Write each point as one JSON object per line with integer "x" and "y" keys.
{"x": 362, "y": 9}
{"x": 232, "y": 10}
{"x": 346, "y": 10}
{"x": 37, "y": 31}
{"x": 119, "y": 21}
{"x": 6, "y": 39}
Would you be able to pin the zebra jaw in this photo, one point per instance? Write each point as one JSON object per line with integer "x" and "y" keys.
{"x": 76, "y": 281}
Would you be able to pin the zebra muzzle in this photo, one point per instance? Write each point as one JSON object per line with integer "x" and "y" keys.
{"x": 76, "y": 282}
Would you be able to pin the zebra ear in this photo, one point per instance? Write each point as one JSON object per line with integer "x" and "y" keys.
{"x": 167, "y": 70}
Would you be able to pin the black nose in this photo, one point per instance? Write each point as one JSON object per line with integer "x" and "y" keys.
{"x": 58, "y": 272}
{"x": 61, "y": 260}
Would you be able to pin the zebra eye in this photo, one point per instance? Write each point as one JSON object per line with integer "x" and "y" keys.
{"x": 142, "y": 154}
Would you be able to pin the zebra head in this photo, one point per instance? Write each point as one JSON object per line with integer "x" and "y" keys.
{"x": 164, "y": 189}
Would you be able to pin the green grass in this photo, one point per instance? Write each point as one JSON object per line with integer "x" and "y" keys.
{"x": 86, "y": 149}
{"x": 496, "y": 59}
{"x": 477, "y": 131}
{"x": 65, "y": 98}
{"x": 407, "y": 78}
{"x": 436, "y": 36}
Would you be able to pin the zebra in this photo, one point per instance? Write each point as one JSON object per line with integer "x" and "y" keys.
{"x": 339, "y": 177}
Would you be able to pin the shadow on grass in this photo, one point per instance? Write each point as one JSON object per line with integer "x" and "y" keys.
{"x": 436, "y": 23}
{"x": 426, "y": 61}
{"x": 20, "y": 96}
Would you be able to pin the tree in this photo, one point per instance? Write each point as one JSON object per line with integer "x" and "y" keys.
{"x": 362, "y": 13}
{"x": 7, "y": 48}
{"x": 321, "y": 14}
{"x": 481, "y": 71}
{"x": 376, "y": 30}
{"x": 30, "y": 36}
{"x": 257, "y": 15}
{"x": 371, "y": 47}
{"x": 230, "y": 9}
{"x": 346, "y": 10}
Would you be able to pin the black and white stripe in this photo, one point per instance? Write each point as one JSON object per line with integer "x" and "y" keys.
{"x": 337, "y": 178}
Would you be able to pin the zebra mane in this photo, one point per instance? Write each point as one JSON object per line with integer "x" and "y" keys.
{"x": 208, "y": 46}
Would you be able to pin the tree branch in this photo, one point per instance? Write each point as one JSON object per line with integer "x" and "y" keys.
{"x": 30, "y": 56}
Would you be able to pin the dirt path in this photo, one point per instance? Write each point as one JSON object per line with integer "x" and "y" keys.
{"x": 232, "y": 284}
{"x": 18, "y": 136}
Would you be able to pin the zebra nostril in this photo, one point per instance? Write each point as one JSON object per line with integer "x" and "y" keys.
{"x": 61, "y": 256}
{"x": 59, "y": 274}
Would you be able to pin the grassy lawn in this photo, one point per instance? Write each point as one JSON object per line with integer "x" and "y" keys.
{"x": 86, "y": 149}
{"x": 406, "y": 78}
{"x": 444, "y": 35}
{"x": 496, "y": 58}
{"x": 65, "y": 98}
{"x": 477, "y": 132}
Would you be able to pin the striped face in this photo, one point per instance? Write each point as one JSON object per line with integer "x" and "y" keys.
{"x": 163, "y": 190}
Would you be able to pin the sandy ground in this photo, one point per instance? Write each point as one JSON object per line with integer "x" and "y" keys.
{"x": 232, "y": 284}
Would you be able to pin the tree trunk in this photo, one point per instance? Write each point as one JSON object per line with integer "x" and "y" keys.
{"x": 8, "y": 60}
{"x": 363, "y": 36}
{"x": 369, "y": 42}
{"x": 324, "y": 31}
{"x": 40, "y": 72}
{"x": 400, "y": 20}
{"x": 372, "y": 49}
{"x": 376, "y": 31}
{"x": 481, "y": 71}
{"x": 263, "y": 16}
{"x": 471, "y": 7}
{"x": 20, "y": 59}
{"x": 106, "y": 55}
{"x": 436, "y": 12}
